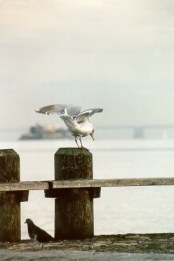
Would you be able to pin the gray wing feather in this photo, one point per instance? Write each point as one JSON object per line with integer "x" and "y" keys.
{"x": 51, "y": 109}
{"x": 87, "y": 113}
{"x": 73, "y": 110}
{"x": 59, "y": 109}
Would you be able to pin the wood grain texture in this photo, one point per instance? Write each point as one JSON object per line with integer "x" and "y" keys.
{"x": 84, "y": 183}
{"x": 73, "y": 207}
{"x": 10, "y": 227}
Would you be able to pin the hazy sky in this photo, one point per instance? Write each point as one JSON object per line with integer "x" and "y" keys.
{"x": 114, "y": 54}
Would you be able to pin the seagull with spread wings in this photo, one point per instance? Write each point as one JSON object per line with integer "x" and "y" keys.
{"x": 77, "y": 121}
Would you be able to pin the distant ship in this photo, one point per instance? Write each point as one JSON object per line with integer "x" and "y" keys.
{"x": 39, "y": 132}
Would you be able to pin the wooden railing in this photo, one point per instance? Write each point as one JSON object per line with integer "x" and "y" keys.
{"x": 94, "y": 183}
{"x": 73, "y": 189}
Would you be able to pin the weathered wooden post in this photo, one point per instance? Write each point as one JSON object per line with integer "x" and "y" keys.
{"x": 10, "y": 225}
{"x": 73, "y": 206}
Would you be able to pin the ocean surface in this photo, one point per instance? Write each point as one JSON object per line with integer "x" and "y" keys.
{"x": 118, "y": 210}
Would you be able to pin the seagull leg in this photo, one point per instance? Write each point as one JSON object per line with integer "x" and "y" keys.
{"x": 80, "y": 139}
{"x": 77, "y": 142}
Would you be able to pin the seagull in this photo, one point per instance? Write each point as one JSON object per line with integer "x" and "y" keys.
{"x": 77, "y": 121}
{"x": 36, "y": 233}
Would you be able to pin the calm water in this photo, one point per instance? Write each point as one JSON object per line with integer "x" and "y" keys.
{"x": 119, "y": 210}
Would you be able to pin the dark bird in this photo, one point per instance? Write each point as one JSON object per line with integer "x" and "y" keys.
{"x": 77, "y": 121}
{"x": 36, "y": 233}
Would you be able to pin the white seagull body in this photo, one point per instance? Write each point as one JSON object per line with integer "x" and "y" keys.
{"x": 77, "y": 121}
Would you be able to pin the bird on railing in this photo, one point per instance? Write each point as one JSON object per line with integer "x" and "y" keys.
{"x": 36, "y": 233}
{"x": 77, "y": 121}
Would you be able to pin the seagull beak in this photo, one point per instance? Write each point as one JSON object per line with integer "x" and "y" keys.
{"x": 92, "y": 135}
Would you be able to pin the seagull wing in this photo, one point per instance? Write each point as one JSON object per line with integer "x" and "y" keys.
{"x": 52, "y": 109}
{"x": 87, "y": 113}
{"x": 60, "y": 109}
{"x": 73, "y": 110}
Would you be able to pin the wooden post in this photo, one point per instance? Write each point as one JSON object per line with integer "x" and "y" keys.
{"x": 10, "y": 226}
{"x": 73, "y": 206}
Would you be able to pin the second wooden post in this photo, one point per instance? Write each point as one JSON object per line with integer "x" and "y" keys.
{"x": 73, "y": 207}
{"x": 10, "y": 215}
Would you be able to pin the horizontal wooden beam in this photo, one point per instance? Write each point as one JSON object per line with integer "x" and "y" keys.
{"x": 113, "y": 182}
{"x": 62, "y": 184}
{"x": 24, "y": 185}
